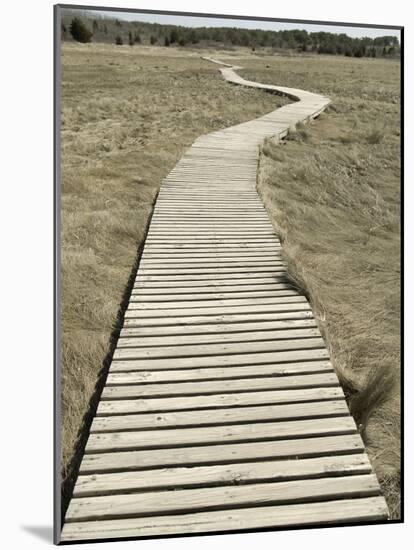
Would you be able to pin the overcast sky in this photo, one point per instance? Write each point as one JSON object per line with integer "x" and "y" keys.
{"x": 194, "y": 21}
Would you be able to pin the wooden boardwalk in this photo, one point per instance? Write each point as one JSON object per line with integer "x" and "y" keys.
{"x": 221, "y": 410}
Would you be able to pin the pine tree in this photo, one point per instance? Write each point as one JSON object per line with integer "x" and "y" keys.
{"x": 79, "y": 31}
{"x": 173, "y": 36}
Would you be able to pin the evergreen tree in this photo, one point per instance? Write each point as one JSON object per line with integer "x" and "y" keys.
{"x": 192, "y": 36}
{"x": 166, "y": 41}
{"x": 173, "y": 36}
{"x": 130, "y": 39}
{"x": 153, "y": 39}
{"x": 79, "y": 31}
{"x": 137, "y": 38}
{"x": 118, "y": 40}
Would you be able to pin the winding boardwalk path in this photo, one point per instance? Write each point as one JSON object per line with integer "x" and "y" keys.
{"x": 221, "y": 410}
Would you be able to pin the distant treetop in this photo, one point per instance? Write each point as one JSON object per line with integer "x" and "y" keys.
{"x": 110, "y": 30}
{"x": 79, "y": 31}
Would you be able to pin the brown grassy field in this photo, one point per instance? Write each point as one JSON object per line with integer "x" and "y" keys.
{"x": 332, "y": 191}
{"x": 127, "y": 116}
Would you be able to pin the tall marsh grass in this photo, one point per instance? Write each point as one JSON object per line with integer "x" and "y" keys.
{"x": 334, "y": 198}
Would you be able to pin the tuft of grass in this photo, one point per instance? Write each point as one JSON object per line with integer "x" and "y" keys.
{"x": 377, "y": 387}
{"x": 298, "y": 133}
{"x": 270, "y": 148}
{"x": 347, "y": 139}
{"x": 335, "y": 202}
{"x": 375, "y": 136}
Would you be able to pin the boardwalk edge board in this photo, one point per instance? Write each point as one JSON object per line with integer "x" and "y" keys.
{"x": 221, "y": 410}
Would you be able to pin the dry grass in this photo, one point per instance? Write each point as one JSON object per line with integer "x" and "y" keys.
{"x": 127, "y": 116}
{"x": 332, "y": 190}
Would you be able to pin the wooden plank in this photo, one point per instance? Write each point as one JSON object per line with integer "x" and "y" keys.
{"x": 225, "y": 223}
{"x": 200, "y": 273}
{"x": 142, "y": 293}
{"x": 200, "y": 387}
{"x": 209, "y": 263}
{"x": 212, "y": 239}
{"x": 212, "y": 211}
{"x": 144, "y": 504}
{"x": 216, "y": 292}
{"x": 227, "y": 348}
{"x": 209, "y": 209}
{"x": 220, "y": 360}
{"x": 222, "y": 416}
{"x": 183, "y": 263}
{"x": 182, "y": 227}
{"x": 228, "y": 319}
{"x": 217, "y": 337}
{"x": 223, "y": 231}
{"x": 208, "y": 257}
{"x": 231, "y": 433}
{"x": 186, "y": 199}
{"x": 212, "y": 243}
{"x": 294, "y": 304}
{"x": 178, "y": 333}
{"x": 315, "y": 513}
{"x": 209, "y": 233}
{"x": 254, "y": 371}
{"x": 279, "y": 297}
{"x": 254, "y": 251}
{"x": 230, "y": 226}
{"x": 212, "y": 202}
{"x": 209, "y": 292}
{"x": 222, "y": 454}
{"x": 205, "y": 271}
{"x": 218, "y": 400}
{"x": 242, "y": 473}
{"x": 176, "y": 285}
{"x": 188, "y": 248}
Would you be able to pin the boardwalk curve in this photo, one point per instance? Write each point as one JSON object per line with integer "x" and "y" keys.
{"x": 221, "y": 410}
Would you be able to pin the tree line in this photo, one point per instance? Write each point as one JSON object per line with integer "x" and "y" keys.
{"x": 86, "y": 28}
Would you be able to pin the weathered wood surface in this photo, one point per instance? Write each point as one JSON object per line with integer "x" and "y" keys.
{"x": 221, "y": 409}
